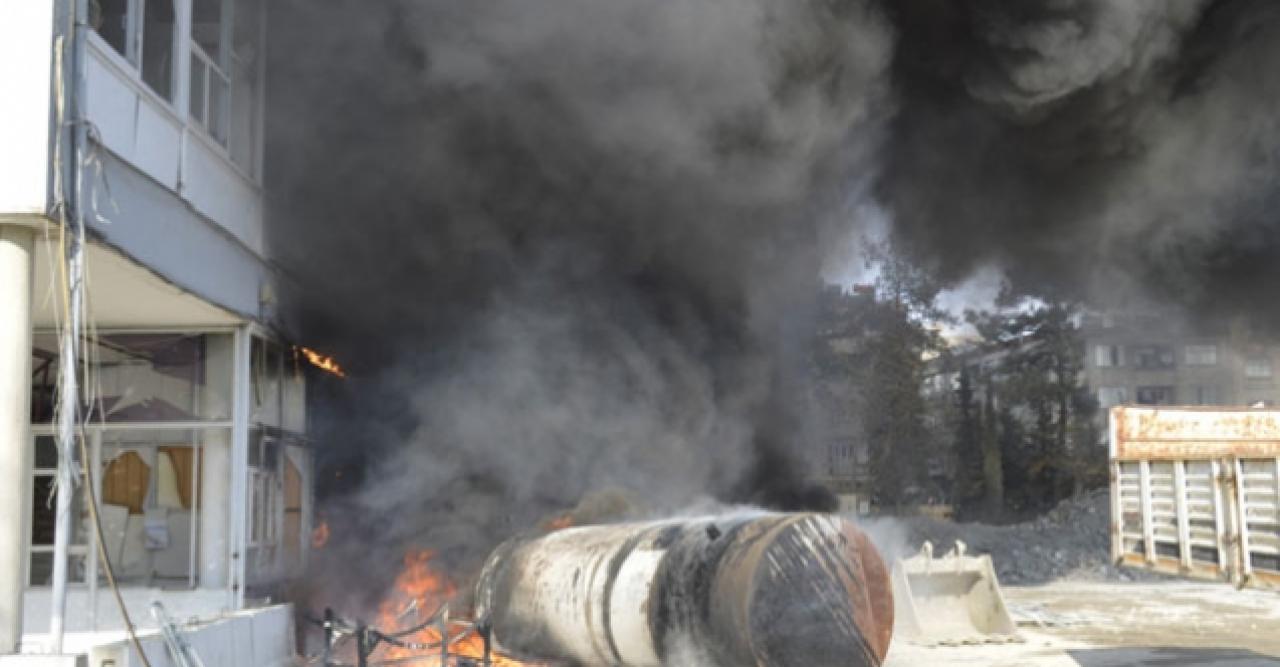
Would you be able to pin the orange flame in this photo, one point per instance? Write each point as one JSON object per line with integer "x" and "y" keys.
{"x": 419, "y": 591}
{"x": 559, "y": 523}
{"x": 320, "y": 535}
{"x": 322, "y": 361}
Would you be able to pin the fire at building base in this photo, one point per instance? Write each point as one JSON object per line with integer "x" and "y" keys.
{"x": 768, "y": 590}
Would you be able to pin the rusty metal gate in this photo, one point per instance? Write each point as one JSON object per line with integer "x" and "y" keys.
{"x": 1196, "y": 492}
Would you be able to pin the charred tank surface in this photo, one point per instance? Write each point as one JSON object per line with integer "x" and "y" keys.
{"x": 762, "y": 590}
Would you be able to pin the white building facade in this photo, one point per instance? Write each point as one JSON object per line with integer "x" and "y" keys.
{"x": 144, "y": 118}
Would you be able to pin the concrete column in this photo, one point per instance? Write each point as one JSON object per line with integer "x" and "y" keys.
{"x": 215, "y": 465}
{"x": 16, "y": 248}
{"x": 215, "y": 483}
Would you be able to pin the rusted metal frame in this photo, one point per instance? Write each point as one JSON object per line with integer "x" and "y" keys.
{"x": 1117, "y": 511}
{"x": 1148, "y": 528}
{"x": 1180, "y": 509}
{"x": 1221, "y": 529}
{"x": 1246, "y": 560}
{"x": 1169, "y": 565}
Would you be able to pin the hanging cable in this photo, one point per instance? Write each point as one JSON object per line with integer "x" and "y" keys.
{"x": 63, "y": 315}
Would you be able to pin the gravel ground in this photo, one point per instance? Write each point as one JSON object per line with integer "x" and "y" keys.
{"x": 1070, "y": 542}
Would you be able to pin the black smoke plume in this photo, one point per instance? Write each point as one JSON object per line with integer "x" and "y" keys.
{"x": 1099, "y": 149}
{"x": 571, "y": 245}
{"x": 565, "y": 247}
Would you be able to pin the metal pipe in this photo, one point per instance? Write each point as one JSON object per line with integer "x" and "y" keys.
{"x": 68, "y": 390}
{"x": 93, "y": 469}
{"x": 763, "y": 590}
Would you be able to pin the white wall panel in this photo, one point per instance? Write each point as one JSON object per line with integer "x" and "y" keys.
{"x": 26, "y": 41}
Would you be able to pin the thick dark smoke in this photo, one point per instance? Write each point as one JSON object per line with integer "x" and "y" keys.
{"x": 570, "y": 245}
{"x": 1103, "y": 149}
{"x": 566, "y": 246}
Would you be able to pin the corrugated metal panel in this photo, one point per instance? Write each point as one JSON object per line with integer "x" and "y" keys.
{"x": 1171, "y": 433}
{"x": 1195, "y": 502}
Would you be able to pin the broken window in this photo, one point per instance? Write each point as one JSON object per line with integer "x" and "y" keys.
{"x": 160, "y": 377}
{"x": 1155, "y": 396}
{"x": 1202, "y": 355}
{"x": 44, "y": 501}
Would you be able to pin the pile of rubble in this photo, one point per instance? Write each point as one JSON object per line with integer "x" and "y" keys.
{"x": 1070, "y": 542}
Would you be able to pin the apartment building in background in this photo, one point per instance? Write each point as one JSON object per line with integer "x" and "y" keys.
{"x": 1154, "y": 359}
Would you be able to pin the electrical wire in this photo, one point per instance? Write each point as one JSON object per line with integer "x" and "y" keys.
{"x": 63, "y": 316}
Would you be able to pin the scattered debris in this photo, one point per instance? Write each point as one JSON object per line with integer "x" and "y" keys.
{"x": 1072, "y": 541}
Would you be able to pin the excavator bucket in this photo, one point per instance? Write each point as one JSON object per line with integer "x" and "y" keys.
{"x": 951, "y": 600}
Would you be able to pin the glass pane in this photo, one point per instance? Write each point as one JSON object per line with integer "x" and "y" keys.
{"x": 206, "y": 27}
{"x": 196, "y": 101}
{"x": 148, "y": 377}
{"x": 243, "y": 142}
{"x": 219, "y": 97}
{"x": 242, "y": 139}
{"x": 46, "y": 452}
{"x": 158, "y": 35}
{"x": 42, "y": 568}
{"x": 266, "y": 363}
{"x": 43, "y": 518}
{"x": 294, "y": 401}
{"x": 44, "y": 512}
{"x": 152, "y": 482}
{"x": 110, "y": 18}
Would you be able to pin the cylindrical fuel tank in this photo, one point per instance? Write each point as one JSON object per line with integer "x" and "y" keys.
{"x": 762, "y": 590}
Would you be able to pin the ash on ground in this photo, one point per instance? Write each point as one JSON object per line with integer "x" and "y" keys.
{"x": 1072, "y": 542}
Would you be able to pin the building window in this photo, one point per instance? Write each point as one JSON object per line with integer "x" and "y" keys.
{"x": 1155, "y": 395}
{"x": 159, "y": 27}
{"x": 210, "y": 77}
{"x": 1202, "y": 355}
{"x": 1207, "y": 395}
{"x": 145, "y": 33}
{"x": 1110, "y": 396}
{"x": 151, "y": 377}
{"x": 1153, "y": 356}
{"x": 1107, "y": 356}
{"x": 110, "y": 18}
{"x": 1257, "y": 368}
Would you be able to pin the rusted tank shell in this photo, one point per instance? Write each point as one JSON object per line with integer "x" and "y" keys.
{"x": 764, "y": 590}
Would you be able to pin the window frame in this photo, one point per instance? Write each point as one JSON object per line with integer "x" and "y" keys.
{"x": 1114, "y": 356}
{"x": 131, "y": 60}
{"x": 1261, "y": 361}
{"x": 1196, "y": 360}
